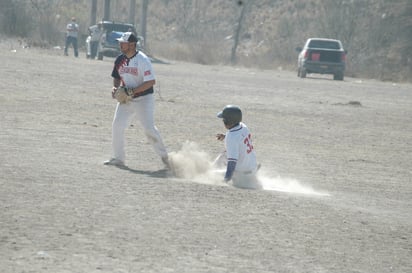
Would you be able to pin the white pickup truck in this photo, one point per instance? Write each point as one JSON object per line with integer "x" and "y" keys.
{"x": 322, "y": 56}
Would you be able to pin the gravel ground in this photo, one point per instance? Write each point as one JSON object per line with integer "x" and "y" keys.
{"x": 336, "y": 162}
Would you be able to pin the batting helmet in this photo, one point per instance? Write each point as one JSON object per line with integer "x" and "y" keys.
{"x": 231, "y": 114}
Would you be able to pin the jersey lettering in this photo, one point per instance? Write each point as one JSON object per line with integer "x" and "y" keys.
{"x": 248, "y": 143}
{"x": 128, "y": 70}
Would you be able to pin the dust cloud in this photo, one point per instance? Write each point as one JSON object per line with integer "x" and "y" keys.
{"x": 192, "y": 163}
{"x": 284, "y": 184}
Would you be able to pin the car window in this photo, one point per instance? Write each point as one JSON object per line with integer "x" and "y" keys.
{"x": 324, "y": 44}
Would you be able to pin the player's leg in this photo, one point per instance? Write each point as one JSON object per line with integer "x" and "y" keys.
{"x": 145, "y": 114}
{"x": 121, "y": 121}
{"x": 220, "y": 161}
{"x": 246, "y": 181}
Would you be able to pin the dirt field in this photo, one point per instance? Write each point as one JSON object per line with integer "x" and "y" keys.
{"x": 336, "y": 161}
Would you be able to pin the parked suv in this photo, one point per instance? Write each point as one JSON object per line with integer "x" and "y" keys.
{"x": 322, "y": 56}
{"x": 102, "y": 39}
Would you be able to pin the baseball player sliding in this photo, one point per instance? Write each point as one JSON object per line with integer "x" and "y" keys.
{"x": 239, "y": 157}
{"x": 133, "y": 81}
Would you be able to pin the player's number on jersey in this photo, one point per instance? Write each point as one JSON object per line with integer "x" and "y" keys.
{"x": 248, "y": 143}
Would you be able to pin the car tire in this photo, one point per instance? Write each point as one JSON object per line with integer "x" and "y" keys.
{"x": 338, "y": 77}
{"x": 100, "y": 56}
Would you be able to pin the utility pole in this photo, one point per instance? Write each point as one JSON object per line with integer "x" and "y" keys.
{"x": 93, "y": 12}
{"x": 106, "y": 10}
{"x": 132, "y": 11}
{"x": 243, "y": 6}
{"x": 143, "y": 19}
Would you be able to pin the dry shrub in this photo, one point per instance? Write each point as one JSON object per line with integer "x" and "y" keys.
{"x": 206, "y": 53}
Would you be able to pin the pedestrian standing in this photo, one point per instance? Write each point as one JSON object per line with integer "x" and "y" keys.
{"x": 72, "y": 31}
{"x": 96, "y": 32}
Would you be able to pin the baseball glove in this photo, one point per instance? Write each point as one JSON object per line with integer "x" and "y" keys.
{"x": 122, "y": 94}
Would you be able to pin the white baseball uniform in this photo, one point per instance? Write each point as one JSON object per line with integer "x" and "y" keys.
{"x": 239, "y": 149}
{"x": 132, "y": 72}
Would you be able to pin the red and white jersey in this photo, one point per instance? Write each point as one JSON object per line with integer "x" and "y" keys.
{"x": 239, "y": 148}
{"x": 133, "y": 71}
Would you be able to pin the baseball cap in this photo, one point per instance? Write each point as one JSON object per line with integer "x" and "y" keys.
{"x": 128, "y": 37}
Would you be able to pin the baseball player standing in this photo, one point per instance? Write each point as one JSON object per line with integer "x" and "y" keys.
{"x": 240, "y": 157}
{"x": 133, "y": 70}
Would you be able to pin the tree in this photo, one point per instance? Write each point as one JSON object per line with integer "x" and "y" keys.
{"x": 243, "y": 6}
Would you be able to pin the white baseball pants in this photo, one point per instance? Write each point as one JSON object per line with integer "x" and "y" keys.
{"x": 142, "y": 108}
{"x": 246, "y": 180}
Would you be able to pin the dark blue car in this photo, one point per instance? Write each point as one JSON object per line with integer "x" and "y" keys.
{"x": 108, "y": 45}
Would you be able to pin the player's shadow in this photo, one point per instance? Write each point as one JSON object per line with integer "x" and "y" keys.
{"x": 163, "y": 173}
